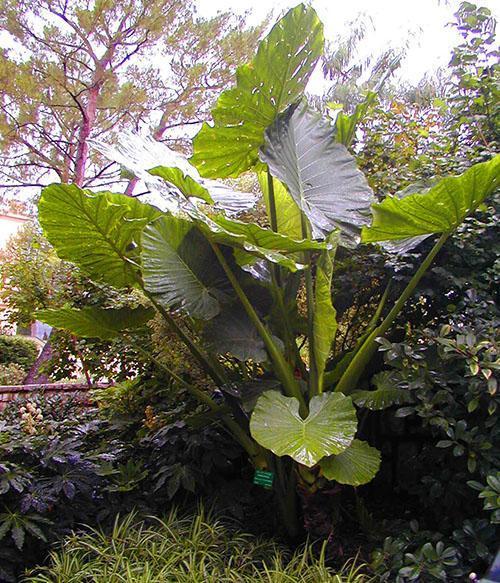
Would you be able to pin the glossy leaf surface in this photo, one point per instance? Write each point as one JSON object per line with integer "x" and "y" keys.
{"x": 441, "y": 209}
{"x": 276, "y": 77}
{"x": 356, "y": 465}
{"x": 99, "y": 232}
{"x": 328, "y": 429}
{"x": 179, "y": 268}
{"x": 320, "y": 174}
{"x": 92, "y": 322}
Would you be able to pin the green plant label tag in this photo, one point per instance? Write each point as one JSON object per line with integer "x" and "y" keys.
{"x": 263, "y": 478}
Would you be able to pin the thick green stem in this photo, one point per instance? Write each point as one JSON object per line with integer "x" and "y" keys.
{"x": 348, "y": 380}
{"x": 208, "y": 366}
{"x": 273, "y": 218}
{"x": 378, "y": 312}
{"x": 292, "y": 350}
{"x": 200, "y": 395}
{"x": 313, "y": 369}
{"x": 282, "y": 369}
{"x": 287, "y": 497}
{"x": 331, "y": 377}
{"x": 287, "y": 335}
{"x": 294, "y": 354}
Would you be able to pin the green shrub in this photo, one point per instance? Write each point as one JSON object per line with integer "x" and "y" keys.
{"x": 18, "y": 350}
{"x": 194, "y": 549}
{"x": 11, "y": 374}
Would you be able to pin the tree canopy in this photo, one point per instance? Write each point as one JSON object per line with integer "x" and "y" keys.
{"x": 84, "y": 69}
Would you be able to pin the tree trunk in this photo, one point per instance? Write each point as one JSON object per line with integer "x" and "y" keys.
{"x": 89, "y": 116}
{"x": 129, "y": 191}
{"x": 34, "y": 375}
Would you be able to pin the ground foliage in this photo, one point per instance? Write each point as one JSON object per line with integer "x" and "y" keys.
{"x": 441, "y": 444}
{"x": 17, "y": 354}
{"x": 199, "y": 548}
{"x": 65, "y": 464}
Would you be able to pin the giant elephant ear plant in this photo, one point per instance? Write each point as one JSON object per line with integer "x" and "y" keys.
{"x": 237, "y": 283}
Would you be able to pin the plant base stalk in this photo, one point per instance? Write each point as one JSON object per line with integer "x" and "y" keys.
{"x": 349, "y": 379}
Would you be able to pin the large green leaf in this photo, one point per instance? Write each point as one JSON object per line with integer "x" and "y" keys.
{"x": 92, "y": 322}
{"x": 100, "y": 232}
{"x": 252, "y": 235}
{"x": 246, "y": 393}
{"x": 256, "y": 241}
{"x": 328, "y": 429}
{"x": 380, "y": 398}
{"x": 232, "y": 332}
{"x": 179, "y": 268}
{"x": 276, "y": 77}
{"x": 320, "y": 174}
{"x": 325, "y": 315}
{"x": 356, "y": 465}
{"x": 440, "y": 210}
{"x": 287, "y": 211}
{"x": 385, "y": 395}
{"x": 213, "y": 192}
{"x": 185, "y": 183}
{"x": 170, "y": 180}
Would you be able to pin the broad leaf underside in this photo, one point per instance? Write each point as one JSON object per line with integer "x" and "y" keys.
{"x": 321, "y": 175}
{"x": 92, "y": 322}
{"x": 440, "y": 210}
{"x": 100, "y": 232}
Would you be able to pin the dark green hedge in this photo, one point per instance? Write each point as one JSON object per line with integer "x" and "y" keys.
{"x": 18, "y": 350}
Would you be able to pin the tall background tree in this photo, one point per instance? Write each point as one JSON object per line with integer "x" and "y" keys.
{"x": 83, "y": 69}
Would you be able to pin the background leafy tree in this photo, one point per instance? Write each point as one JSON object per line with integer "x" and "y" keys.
{"x": 86, "y": 69}
{"x": 33, "y": 278}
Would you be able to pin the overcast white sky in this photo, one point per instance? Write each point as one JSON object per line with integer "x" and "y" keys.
{"x": 424, "y": 22}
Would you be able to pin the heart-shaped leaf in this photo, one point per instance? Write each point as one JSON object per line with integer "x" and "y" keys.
{"x": 321, "y": 175}
{"x": 328, "y": 429}
{"x": 232, "y": 332}
{"x": 276, "y": 77}
{"x": 356, "y": 465}
{"x": 439, "y": 210}
{"x": 92, "y": 322}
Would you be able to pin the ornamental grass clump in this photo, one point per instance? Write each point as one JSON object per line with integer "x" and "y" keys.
{"x": 199, "y": 549}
